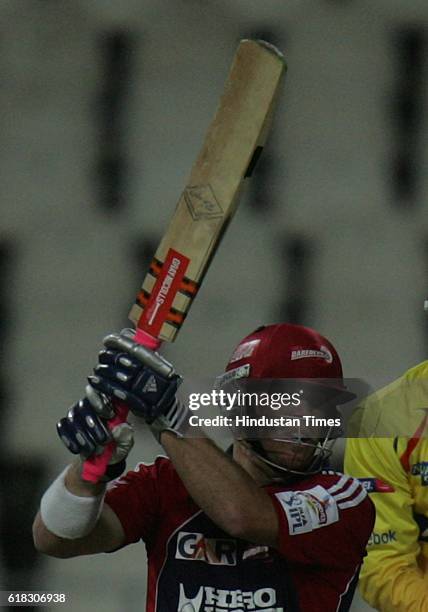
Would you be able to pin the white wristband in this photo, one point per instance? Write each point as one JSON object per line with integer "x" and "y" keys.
{"x": 67, "y": 515}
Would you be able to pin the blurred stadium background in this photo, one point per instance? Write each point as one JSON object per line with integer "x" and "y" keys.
{"x": 104, "y": 105}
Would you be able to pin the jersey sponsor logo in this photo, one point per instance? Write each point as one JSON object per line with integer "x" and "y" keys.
{"x": 244, "y": 350}
{"x": 421, "y": 469}
{"x": 322, "y": 353}
{"x": 196, "y": 547}
{"x": 256, "y": 552}
{"x": 318, "y": 507}
{"x": 308, "y": 510}
{"x": 211, "y": 599}
{"x": 375, "y": 485}
{"x": 382, "y": 538}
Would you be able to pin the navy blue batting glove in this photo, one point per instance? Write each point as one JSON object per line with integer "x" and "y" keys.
{"x": 85, "y": 432}
{"x": 142, "y": 379}
{"x": 82, "y": 430}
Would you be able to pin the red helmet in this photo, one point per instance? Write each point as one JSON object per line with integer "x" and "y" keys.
{"x": 289, "y": 351}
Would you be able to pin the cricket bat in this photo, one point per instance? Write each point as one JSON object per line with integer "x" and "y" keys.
{"x": 228, "y": 155}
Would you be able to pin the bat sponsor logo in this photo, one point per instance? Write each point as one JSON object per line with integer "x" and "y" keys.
{"x": 166, "y": 287}
{"x": 202, "y": 203}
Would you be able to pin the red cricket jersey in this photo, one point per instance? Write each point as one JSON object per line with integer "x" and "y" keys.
{"x": 193, "y": 566}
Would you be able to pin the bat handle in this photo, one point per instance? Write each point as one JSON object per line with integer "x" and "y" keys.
{"x": 95, "y": 467}
{"x": 146, "y": 339}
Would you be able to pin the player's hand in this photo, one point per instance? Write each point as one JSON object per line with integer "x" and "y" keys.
{"x": 142, "y": 379}
{"x": 85, "y": 432}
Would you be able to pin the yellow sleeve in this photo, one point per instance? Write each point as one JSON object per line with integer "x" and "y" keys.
{"x": 390, "y": 578}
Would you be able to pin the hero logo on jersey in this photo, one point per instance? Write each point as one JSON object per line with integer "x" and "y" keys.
{"x": 211, "y": 599}
{"x": 308, "y": 510}
{"x": 196, "y": 547}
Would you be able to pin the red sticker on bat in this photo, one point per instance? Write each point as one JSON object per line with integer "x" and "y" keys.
{"x": 163, "y": 293}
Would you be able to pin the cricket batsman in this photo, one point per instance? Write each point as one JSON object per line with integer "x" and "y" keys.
{"x": 264, "y": 526}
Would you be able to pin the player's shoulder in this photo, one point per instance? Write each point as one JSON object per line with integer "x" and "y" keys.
{"x": 332, "y": 481}
{"x": 161, "y": 465}
{"x": 397, "y": 391}
{"x": 417, "y": 372}
{"x": 345, "y": 490}
{"x": 393, "y": 408}
{"x": 335, "y": 498}
{"x": 333, "y": 478}
{"x": 329, "y": 478}
{"x": 158, "y": 474}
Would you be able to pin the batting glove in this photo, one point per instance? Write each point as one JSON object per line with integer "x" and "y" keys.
{"x": 85, "y": 432}
{"x": 143, "y": 380}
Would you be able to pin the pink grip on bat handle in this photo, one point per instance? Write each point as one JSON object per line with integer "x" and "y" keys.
{"x": 95, "y": 467}
{"x": 146, "y": 339}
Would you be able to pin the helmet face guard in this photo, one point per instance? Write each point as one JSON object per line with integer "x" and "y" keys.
{"x": 321, "y": 451}
{"x": 294, "y": 361}
{"x": 293, "y": 439}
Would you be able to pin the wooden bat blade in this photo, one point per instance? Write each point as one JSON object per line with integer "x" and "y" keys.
{"x": 231, "y": 147}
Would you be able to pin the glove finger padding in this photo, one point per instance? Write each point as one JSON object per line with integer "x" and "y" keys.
{"x": 123, "y": 343}
{"x": 115, "y": 373}
{"x": 82, "y": 430}
{"x": 86, "y": 433}
{"x": 116, "y": 390}
{"x": 122, "y": 360}
{"x": 142, "y": 379}
{"x": 123, "y": 435}
{"x": 102, "y": 405}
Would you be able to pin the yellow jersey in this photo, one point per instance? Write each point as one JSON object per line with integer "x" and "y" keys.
{"x": 390, "y": 457}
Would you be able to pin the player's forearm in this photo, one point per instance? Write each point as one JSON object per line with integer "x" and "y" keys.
{"x": 225, "y": 492}
{"x": 57, "y": 528}
{"x": 76, "y": 485}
